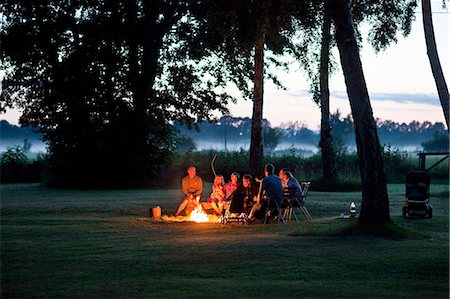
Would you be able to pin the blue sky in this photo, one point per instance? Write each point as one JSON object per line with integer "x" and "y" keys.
{"x": 399, "y": 80}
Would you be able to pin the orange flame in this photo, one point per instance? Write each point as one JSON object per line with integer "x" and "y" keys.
{"x": 198, "y": 215}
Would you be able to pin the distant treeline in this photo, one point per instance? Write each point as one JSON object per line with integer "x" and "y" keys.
{"x": 13, "y": 132}
{"x": 237, "y": 130}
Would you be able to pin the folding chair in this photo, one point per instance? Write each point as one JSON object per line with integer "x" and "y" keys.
{"x": 291, "y": 203}
{"x": 270, "y": 208}
{"x": 288, "y": 204}
{"x": 301, "y": 203}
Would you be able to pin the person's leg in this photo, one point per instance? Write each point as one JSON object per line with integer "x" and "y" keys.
{"x": 181, "y": 207}
{"x": 190, "y": 207}
{"x": 220, "y": 207}
{"x": 216, "y": 208}
{"x": 255, "y": 209}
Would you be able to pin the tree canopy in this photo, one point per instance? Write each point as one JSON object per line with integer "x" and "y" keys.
{"x": 102, "y": 81}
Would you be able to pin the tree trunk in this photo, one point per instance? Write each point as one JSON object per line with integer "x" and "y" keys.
{"x": 256, "y": 142}
{"x": 434, "y": 58}
{"x": 326, "y": 137}
{"x": 375, "y": 201}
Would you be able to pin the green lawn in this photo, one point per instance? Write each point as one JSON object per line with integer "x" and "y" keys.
{"x": 91, "y": 244}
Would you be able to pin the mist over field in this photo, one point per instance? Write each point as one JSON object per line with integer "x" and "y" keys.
{"x": 233, "y": 134}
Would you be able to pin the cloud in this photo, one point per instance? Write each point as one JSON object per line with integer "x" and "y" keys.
{"x": 404, "y": 98}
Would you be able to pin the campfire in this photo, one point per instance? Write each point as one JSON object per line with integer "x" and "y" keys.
{"x": 198, "y": 215}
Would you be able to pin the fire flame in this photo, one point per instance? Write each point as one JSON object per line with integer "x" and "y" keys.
{"x": 198, "y": 215}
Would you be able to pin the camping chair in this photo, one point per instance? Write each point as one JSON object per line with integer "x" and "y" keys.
{"x": 291, "y": 203}
{"x": 273, "y": 205}
{"x": 288, "y": 204}
{"x": 305, "y": 189}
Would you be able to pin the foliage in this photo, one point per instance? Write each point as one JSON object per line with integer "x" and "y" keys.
{"x": 228, "y": 31}
{"x": 16, "y": 167}
{"x": 14, "y": 156}
{"x": 343, "y": 130}
{"x": 101, "y": 81}
{"x": 397, "y": 165}
{"x": 271, "y": 138}
{"x": 185, "y": 144}
{"x": 413, "y": 133}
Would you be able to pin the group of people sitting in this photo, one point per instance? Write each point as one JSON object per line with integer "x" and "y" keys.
{"x": 258, "y": 194}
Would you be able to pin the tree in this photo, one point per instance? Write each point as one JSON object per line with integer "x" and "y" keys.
{"x": 375, "y": 201}
{"x": 439, "y": 143}
{"x": 326, "y": 136}
{"x": 272, "y": 138}
{"x": 433, "y": 56}
{"x": 241, "y": 34}
{"x": 186, "y": 144}
{"x": 385, "y": 18}
{"x": 102, "y": 81}
{"x": 256, "y": 140}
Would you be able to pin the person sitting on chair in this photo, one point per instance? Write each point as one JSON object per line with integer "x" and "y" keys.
{"x": 271, "y": 188}
{"x": 293, "y": 183}
{"x": 249, "y": 189}
{"x": 217, "y": 198}
{"x": 231, "y": 186}
{"x": 192, "y": 186}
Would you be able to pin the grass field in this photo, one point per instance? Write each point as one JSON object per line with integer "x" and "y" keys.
{"x": 92, "y": 244}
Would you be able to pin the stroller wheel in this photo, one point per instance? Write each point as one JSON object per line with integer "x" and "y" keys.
{"x": 430, "y": 212}
{"x": 404, "y": 212}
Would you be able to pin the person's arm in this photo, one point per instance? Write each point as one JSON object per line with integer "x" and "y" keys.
{"x": 200, "y": 189}
{"x": 221, "y": 192}
{"x": 260, "y": 190}
{"x": 185, "y": 186}
{"x": 228, "y": 190}
{"x": 298, "y": 189}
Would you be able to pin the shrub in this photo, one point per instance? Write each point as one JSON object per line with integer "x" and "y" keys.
{"x": 17, "y": 168}
{"x": 397, "y": 165}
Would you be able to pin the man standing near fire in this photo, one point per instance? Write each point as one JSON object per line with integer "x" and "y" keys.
{"x": 192, "y": 186}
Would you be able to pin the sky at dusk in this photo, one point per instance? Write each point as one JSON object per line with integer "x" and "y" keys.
{"x": 399, "y": 80}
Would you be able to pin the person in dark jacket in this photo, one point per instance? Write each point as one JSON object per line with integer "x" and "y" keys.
{"x": 270, "y": 194}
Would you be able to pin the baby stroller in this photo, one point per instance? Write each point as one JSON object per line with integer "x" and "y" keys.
{"x": 417, "y": 195}
{"x": 236, "y": 211}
